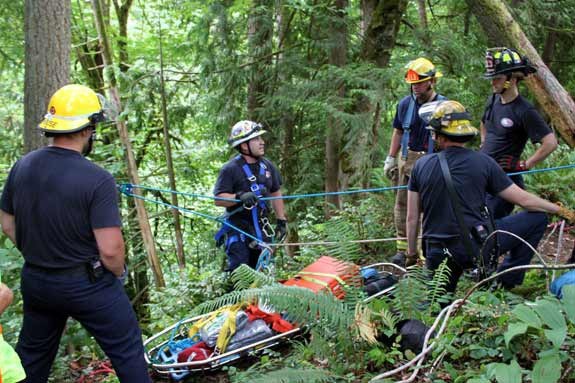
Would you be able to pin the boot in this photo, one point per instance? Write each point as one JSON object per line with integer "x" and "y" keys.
{"x": 411, "y": 260}
{"x": 399, "y": 259}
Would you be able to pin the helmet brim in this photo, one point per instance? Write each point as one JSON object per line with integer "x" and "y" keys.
{"x": 437, "y": 75}
{"x": 247, "y": 138}
{"x": 59, "y": 125}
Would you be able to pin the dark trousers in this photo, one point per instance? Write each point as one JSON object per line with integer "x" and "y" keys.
{"x": 498, "y": 207}
{"x": 528, "y": 225}
{"x": 239, "y": 252}
{"x": 102, "y": 307}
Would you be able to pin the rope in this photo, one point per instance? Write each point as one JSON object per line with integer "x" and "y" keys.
{"x": 323, "y": 194}
{"x": 125, "y": 189}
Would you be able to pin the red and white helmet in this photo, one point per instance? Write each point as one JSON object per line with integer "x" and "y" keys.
{"x": 244, "y": 131}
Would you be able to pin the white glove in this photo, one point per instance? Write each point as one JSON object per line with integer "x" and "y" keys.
{"x": 389, "y": 166}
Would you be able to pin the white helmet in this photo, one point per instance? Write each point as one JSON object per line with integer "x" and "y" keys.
{"x": 244, "y": 131}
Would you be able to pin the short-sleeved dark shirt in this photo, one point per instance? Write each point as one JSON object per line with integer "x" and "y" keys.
{"x": 508, "y": 126}
{"x": 474, "y": 174}
{"x": 232, "y": 179}
{"x": 58, "y": 198}
{"x": 418, "y": 135}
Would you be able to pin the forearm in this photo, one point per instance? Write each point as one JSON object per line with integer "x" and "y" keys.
{"x": 111, "y": 248}
{"x": 548, "y": 145}
{"x": 482, "y": 133}
{"x": 412, "y": 221}
{"x": 278, "y": 205}
{"x": 225, "y": 203}
{"x": 395, "y": 142}
{"x": 8, "y": 223}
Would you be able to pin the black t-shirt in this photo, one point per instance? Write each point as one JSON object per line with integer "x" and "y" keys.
{"x": 418, "y": 135}
{"x": 508, "y": 127}
{"x": 473, "y": 174}
{"x": 58, "y": 198}
{"x": 232, "y": 179}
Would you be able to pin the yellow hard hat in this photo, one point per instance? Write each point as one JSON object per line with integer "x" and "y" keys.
{"x": 71, "y": 109}
{"x": 420, "y": 70}
{"x": 451, "y": 119}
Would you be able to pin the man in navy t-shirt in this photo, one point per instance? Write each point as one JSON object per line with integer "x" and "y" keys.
{"x": 473, "y": 174}
{"x": 509, "y": 121}
{"x": 61, "y": 211}
{"x": 247, "y": 178}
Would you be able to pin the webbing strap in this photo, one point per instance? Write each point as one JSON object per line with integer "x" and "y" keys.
{"x": 456, "y": 206}
{"x": 334, "y": 276}
{"x": 257, "y": 190}
{"x": 405, "y": 124}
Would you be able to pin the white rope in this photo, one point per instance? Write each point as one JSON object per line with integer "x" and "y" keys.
{"x": 318, "y": 243}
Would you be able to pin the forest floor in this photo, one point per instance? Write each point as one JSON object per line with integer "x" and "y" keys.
{"x": 97, "y": 371}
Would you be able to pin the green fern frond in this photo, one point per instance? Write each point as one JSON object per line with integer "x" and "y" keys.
{"x": 304, "y": 306}
{"x": 410, "y": 293}
{"x": 244, "y": 277}
{"x": 292, "y": 375}
{"x": 436, "y": 286}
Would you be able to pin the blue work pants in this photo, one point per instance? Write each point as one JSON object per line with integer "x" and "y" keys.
{"x": 528, "y": 225}
{"x": 498, "y": 207}
{"x": 239, "y": 252}
{"x": 102, "y": 307}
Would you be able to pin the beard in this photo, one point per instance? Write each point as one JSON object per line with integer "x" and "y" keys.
{"x": 87, "y": 149}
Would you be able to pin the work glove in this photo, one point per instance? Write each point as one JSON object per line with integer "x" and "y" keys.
{"x": 247, "y": 199}
{"x": 390, "y": 167}
{"x": 280, "y": 230}
{"x": 568, "y": 214}
{"x": 511, "y": 164}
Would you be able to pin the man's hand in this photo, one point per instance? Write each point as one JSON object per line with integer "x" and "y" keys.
{"x": 390, "y": 166}
{"x": 511, "y": 164}
{"x": 248, "y": 199}
{"x": 568, "y": 214}
{"x": 281, "y": 230}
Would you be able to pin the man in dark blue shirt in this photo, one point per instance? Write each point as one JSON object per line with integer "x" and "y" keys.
{"x": 473, "y": 175}
{"x": 247, "y": 178}
{"x": 510, "y": 120}
{"x": 61, "y": 211}
{"x": 412, "y": 140}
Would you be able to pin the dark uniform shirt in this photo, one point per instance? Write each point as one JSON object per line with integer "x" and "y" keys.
{"x": 508, "y": 127}
{"x": 418, "y": 135}
{"x": 58, "y": 198}
{"x": 473, "y": 175}
{"x": 232, "y": 179}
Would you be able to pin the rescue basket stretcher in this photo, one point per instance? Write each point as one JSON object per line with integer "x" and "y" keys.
{"x": 157, "y": 350}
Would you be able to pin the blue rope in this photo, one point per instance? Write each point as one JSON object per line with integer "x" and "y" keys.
{"x": 310, "y": 195}
{"x": 127, "y": 190}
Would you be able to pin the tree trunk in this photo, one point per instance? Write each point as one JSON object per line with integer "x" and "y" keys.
{"x": 260, "y": 31}
{"x": 422, "y": 14}
{"x": 122, "y": 12}
{"x": 550, "y": 41}
{"x": 502, "y": 29}
{"x": 333, "y": 134}
{"x": 381, "y": 19}
{"x": 47, "y": 63}
{"x": 125, "y": 139}
{"x": 170, "y": 164}
{"x": 286, "y": 124}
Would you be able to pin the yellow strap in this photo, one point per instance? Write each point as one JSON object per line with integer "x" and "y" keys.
{"x": 334, "y": 276}
{"x": 195, "y": 329}
{"x": 229, "y": 327}
{"x": 316, "y": 281}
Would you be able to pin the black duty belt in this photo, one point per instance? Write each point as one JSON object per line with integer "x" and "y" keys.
{"x": 76, "y": 270}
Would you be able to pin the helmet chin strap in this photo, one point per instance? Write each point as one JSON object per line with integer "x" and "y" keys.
{"x": 249, "y": 152}
{"x": 506, "y": 84}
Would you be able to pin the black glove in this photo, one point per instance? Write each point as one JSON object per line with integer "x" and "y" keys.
{"x": 281, "y": 230}
{"x": 248, "y": 199}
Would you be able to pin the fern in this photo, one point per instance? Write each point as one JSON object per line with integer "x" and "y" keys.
{"x": 411, "y": 293}
{"x": 436, "y": 286}
{"x": 288, "y": 375}
{"x": 304, "y": 306}
{"x": 244, "y": 277}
